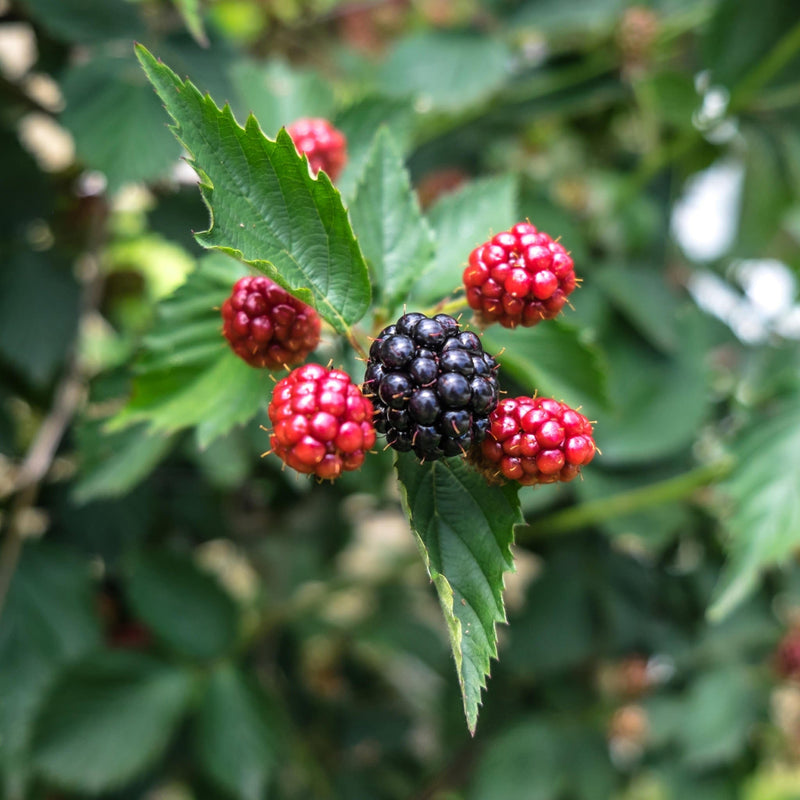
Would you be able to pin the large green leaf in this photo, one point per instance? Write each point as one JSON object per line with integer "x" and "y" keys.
{"x": 184, "y": 606}
{"x": 359, "y": 122}
{"x": 464, "y": 529}
{"x": 49, "y": 620}
{"x": 108, "y": 719}
{"x": 764, "y": 523}
{"x": 236, "y": 735}
{"x": 187, "y": 375}
{"x": 644, "y": 298}
{"x": 658, "y": 403}
{"x": 394, "y": 236}
{"x": 266, "y": 208}
{"x": 552, "y": 359}
{"x": 113, "y": 463}
{"x": 447, "y": 70}
{"x": 461, "y": 221}
{"x": 117, "y": 122}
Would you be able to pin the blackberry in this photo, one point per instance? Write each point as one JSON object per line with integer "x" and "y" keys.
{"x": 519, "y": 277}
{"x": 323, "y": 145}
{"x": 431, "y": 385}
{"x": 534, "y": 440}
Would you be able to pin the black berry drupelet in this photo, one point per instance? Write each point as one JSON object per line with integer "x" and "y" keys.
{"x": 432, "y": 386}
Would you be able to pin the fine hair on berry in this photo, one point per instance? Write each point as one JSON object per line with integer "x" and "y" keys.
{"x": 322, "y": 423}
{"x": 519, "y": 277}
{"x": 432, "y": 386}
{"x": 266, "y": 326}
{"x": 534, "y": 440}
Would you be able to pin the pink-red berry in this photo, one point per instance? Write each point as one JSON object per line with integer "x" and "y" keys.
{"x": 266, "y": 326}
{"x": 535, "y": 440}
{"x": 322, "y": 423}
{"x": 324, "y": 145}
{"x": 787, "y": 656}
{"x": 519, "y": 277}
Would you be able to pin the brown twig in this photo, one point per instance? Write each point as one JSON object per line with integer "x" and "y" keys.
{"x": 66, "y": 401}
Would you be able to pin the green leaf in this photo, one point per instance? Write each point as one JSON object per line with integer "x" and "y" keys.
{"x": 187, "y": 375}
{"x": 236, "y": 735}
{"x": 764, "y": 525}
{"x": 545, "y": 759}
{"x": 277, "y": 94}
{"x": 524, "y": 763}
{"x": 446, "y": 70}
{"x": 266, "y": 208}
{"x": 461, "y": 221}
{"x": 742, "y": 34}
{"x": 766, "y": 195}
{"x": 552, "y": 359}
{"x": 393, "y": 234}
{"x": 190, "y": 11}
{"x": 117, "y": 123}
{"x": 464, "y": 529}
{"x": 87, "y": 20}
{"x": 644, "y": 298}
{"x": 49, "y": 621}
{"x": 360, "y": 121}
{"x": 184, "y": 607}
{"x": 720, "y": 710}
{"x": 35, "y": 337}
{"x": 108, "y": 719}
{"x": 113, "y": 463}
{"x": 658, "y": 403}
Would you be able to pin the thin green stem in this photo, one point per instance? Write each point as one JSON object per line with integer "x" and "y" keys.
{"x": 447, "y": 307}
{"x": 618, "y": 505}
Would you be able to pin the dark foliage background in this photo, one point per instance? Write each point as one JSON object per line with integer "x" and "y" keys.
{"x": 181, "y": 619}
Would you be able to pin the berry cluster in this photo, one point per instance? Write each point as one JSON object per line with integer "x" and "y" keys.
{"x": 324, "y": 145}
{"x": 266, "y": 326}
{"x": 518, "y": 277}
{"x": 432, "y": 385}
{"x": 534, "y": 440}
{"x": 322, "y": 424}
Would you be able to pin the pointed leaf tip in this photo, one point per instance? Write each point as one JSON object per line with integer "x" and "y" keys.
{"x": 464, "y": 529}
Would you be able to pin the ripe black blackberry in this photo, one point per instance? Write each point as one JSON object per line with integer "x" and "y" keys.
{"x": 432, "y": 386}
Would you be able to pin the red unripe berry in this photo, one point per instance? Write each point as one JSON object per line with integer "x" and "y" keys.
{"x": 534, "y": 440}
{"x": 266, "y": 326}
{"x": 316, "y": 440}
{"x": 519, "y": 277}
{"x": 323, "y": 145}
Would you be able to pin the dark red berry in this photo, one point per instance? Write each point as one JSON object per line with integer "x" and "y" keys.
{"x": 322, "y": 423}
{"x": 534, "y": 440}
{"x": 519, "y": 277}
{"x": 266, "y": 326}
{"x": 324, "y": 145}
{"x": 787, "y": 656}
{"x": 432, "y": 386}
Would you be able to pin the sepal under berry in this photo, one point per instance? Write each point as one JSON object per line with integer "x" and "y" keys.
{"x": 268, "y": 327}
{"x": 534, "y": 440}
{"x": 322, "y": 423}
{"x": 519, "y": 277}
